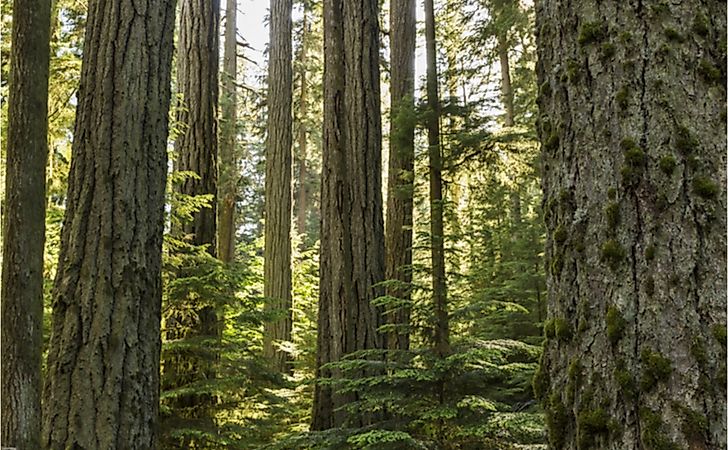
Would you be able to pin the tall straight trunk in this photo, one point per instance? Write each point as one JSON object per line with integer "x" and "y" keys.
{"x": 437, "y": 239}
{"x": 277, "y": 287}
{"x": 227, "y": 191}
{"x": 24, "y": 225}
{"x": 352, "y": 228}
{"x": 506, "y": 88}
{"x": 398, "y": 239}
{"x": 301, "y": 203}
{"x": 196, "y": 147}
{"x": 102, "y": 384}
{"x": 632, "y": 122}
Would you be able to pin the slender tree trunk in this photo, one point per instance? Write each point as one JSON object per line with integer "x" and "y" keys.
{"x": 228, "y": 152}
{"x": 24, "y": 225}
{"x": 352, "y": 229}
{"x": 398, "y": 239}
{"x": 635, "y": 206}
{"x": 506, "y": 89}
{"x": 196, "y": 147}
{"x": 301, "y": 207}
{"x": 439, "y": 284}
{"x": 277, "y": 288}
{"x": 102, "y": 385}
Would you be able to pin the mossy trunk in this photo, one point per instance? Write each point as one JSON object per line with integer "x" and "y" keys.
{"x": 632, "y": 124}
{"x": 352, "y": 228}
{"x": 24, "y": 225}
{"x": 102, "y": 385}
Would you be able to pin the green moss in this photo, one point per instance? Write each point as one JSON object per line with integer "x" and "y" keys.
{"x": 667, "y": 164}
{"x": 700, "y": 25}
{"x": 650, "y": 252}
{"x": 654, "y": 433}
{"x": 557, "y": 421}
{"x": 560, "y": 235}
{"x": 549, "y": 329}
{"x": 684, "y": 140}
{"x": 592, "y": 32}
{"x": 625, "y": 381}
{"x": 574, "y": 371}
{"x": 705, "y": 187}
{"x": 650, "y": 286}
{"x": 615, "y": 324}
{"x": 673, "y": 35}
{"x": 611, "y": 193}
{"x": 557, "y": 265}
{"x": 655, "y": 368}
{"x": 552, "y": 143}
{"x": 612, "y": 253}
{"x": 608, "y": 50}
{"x": 591, "y": 424}
{"x": 573, "y": 71}
{"x": 563, "y": 329}
{"x": 719, "y": 333}
{"x": 709, "y": 72}
{"x": 634, "y": 156}
{"x": 697, "y": 349}
{"x": 694, "y": 424}
{"x": 622, "y": 97}
{"x": 661, "y": 202}
{"x": 625, "y": 36}
{"x": 612, "y": 214}
{"x": 541, "y": 383}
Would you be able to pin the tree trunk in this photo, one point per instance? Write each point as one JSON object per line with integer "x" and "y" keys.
{"x": 24, "y": 225}
{"x": 398, "y": 239}
{"x": 352, "y": 229}
{"x": 196, "y": 147}
{"x": 506, "y": 89}
{"x": 102, "y": 385}
{"x": 301, "y": 206}
{"x": 277, "y": 288}
{"x": 228, "y": 169}
{"x": 439, "y": 284}
{"x": 632, "y": 122}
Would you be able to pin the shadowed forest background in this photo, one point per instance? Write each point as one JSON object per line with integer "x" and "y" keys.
{"x": 459, "y": 224}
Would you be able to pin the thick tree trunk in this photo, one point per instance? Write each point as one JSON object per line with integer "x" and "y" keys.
{"x": 437, "y": 239}
{"x": 301, "y": 203}
{"x": 632, "y": 122}
{"x": 196, "y": 147}
{"x": 24, "y": 225}
{"x": 102, "y": 386}
{"x": 277, "y": 288}
{"x": 398, "y": 239}
{"x": 352, "y": 229}
{"x": 228, "y": 153}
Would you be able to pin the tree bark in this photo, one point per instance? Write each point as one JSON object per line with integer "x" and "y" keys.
{"x": 398, "y": 239}
{"x": 506, "y": 89}
{"x": 301, "y": 206}
{"x": 196, "y": 147}
{"x": 24, "y": 225}
{"x": 632, "y": 124}
{"x": 439, "y": 281}
{"x": 277, "y": 281}
{"x": 102, "y": 386}
{"x": 352, "y": 229}
{"x": 228, "y": 152}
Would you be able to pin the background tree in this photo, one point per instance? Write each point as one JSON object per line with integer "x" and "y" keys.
{"x": 24, "y": 225}
{"x": 634, "y": 185}
{"x": 398, "y": 240}
{"x": 195, "y": 318}
{"x": 102, "y": 383}
{"x": 352, "y": 229}
{"x": 278, "y": 202}
{"x": 228, "y": 166}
